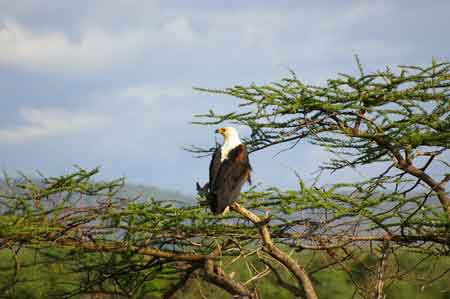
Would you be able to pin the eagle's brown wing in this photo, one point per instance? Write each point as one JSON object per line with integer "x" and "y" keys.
{"x": 214, "y": 167}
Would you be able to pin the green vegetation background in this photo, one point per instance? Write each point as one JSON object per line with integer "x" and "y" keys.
{"x": 40, "y": 277}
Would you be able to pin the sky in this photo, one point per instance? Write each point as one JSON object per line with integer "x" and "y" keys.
{"x": 109, "y": 83}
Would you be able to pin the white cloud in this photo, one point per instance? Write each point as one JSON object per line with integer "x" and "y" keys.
{"x": 43, "y": 122}
{"x": 96, "y": 48}
{"x": 53, "y": 50}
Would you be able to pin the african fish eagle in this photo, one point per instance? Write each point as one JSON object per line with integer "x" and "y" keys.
{"x": 228, "y": 171}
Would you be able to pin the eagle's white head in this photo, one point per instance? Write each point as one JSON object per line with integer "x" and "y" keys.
{"x": 230, "y": 140}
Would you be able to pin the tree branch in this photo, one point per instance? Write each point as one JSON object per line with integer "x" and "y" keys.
{"x": 270, "y": 248}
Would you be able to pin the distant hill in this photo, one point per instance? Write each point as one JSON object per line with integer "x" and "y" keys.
{"x": 144, "y": 192}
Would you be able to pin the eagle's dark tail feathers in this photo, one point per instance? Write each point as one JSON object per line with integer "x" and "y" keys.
{"x": 211, "y": 199}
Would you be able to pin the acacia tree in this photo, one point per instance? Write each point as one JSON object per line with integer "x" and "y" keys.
{"x": 397, "y": 120}
{"x": 111, "y": 244}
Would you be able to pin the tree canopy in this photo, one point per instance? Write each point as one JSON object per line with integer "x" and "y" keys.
{"x": 377, "y": 232}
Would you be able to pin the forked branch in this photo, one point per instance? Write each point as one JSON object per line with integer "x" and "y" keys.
{"x": 269, "y": 247}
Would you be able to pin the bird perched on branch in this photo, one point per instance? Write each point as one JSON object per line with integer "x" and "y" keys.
{"x": 228, "y": 171}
